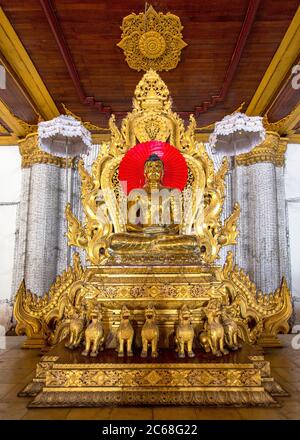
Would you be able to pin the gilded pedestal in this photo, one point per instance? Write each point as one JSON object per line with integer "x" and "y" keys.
{"x": 67, "y": 380}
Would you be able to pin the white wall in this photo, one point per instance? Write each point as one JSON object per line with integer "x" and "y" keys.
{"x": 10, "y": 183}
{"x": 292, "y": 189}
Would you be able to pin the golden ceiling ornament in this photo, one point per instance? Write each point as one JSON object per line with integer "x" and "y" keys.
{"x": 152, "y": 44}
{"x": 152, "y": 40}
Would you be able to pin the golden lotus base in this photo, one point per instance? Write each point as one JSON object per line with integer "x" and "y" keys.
{"x": 65, "y": 378}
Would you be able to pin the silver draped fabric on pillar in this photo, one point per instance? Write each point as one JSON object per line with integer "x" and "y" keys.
{"x": 262, "y": 245}
{"x": 40, "y": 251}
{"x": 262, "y": 248}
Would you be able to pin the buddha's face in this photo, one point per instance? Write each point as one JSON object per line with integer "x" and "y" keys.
{"x": 153, "y": 171}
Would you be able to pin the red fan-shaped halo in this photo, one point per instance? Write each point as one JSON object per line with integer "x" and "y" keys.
{"x": 131, "y": 170}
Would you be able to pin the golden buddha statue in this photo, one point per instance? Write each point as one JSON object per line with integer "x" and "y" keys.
{"x": 154, "y": 217}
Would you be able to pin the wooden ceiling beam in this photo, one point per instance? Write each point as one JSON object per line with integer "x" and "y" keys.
{"x": 19, "y": 60}
{"x": 280, "y": 66}
{"x": 64, "y": 49}
{"x": 234, "y": 60}
{"x": 10, "y": 120}
{"x": 293, "y": 119}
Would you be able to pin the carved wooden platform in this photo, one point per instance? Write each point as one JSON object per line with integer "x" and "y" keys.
{"x": 65, "y": 378}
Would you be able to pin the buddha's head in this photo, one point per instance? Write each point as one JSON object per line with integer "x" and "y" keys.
{"x": 153, "y": 169}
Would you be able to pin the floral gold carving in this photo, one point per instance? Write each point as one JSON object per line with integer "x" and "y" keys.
{"x": 152, "y": 44}
{"x": 163, "y": 377}
{"x": 152, "y": 40}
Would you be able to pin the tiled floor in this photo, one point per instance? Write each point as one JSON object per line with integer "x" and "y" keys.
{"x": 17, "y": 368}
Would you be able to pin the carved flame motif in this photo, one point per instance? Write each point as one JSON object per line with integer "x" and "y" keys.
{"x": 152, "y": 40}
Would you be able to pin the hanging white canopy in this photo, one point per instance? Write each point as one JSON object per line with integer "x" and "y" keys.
{"x": 236, "y": 134}
{"x": 64, "y": 136}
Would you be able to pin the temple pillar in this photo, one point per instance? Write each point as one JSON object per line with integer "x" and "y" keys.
{"x": 41, "y": 246}
{"x": 258, "y": 185}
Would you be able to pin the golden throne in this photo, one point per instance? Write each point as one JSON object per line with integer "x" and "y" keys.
{"x": 166, "y": 281}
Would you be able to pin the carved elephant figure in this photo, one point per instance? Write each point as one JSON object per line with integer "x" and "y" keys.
{"x": 150, "y": 333}
{"x": 213, "y": 337}
{"x": 185, "y": 333}
{"x": 125, "y": 333}
{"x": 76, "y": 329}
{"x": 94, "y": 334}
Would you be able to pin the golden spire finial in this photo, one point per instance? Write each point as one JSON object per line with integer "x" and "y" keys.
{"x": 151, "y": 93}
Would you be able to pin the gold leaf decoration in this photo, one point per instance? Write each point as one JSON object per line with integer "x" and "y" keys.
{"x": 152, "y": 40}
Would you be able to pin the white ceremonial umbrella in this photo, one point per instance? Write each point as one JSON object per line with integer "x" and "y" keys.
{"x": 236, "y": 134}
{"x": 66, "y": 137}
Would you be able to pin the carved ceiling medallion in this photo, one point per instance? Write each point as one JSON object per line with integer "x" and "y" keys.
{"x": 152, "y": 40}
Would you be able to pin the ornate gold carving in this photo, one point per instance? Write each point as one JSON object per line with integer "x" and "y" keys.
{"x": 199, "y": 397}
{"x": 231, "y": 331}
{"x": 185, "y": 333}
{"x": 94, "y": 333}
{"x": 152, "y": 117}
{"x": 27, "y": 321}
{"x": 152, "y": 40}
{"x": 271, "y": 150}
{"x": 152, "y": 108}
{"x": 267, "y": 314}
{"x": 150, "y": 333}
{"x": 32, "y": 154}
{"x": 229, "y": 232}
{"x": 76, "y": 327}
{"x": 93, "y": 234}
{"x": 242, "y": 381}
{"x": 279, "y": 321}
{"x": 213, "y": 336}
{"x": 34, "y": 314}
{"x": 147, "y": 377}
{"x": 218, "y": 304}
{"x": 258, "y": 317}
{"x": 152, "y": 45}
{"x": 125, "y": 333}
